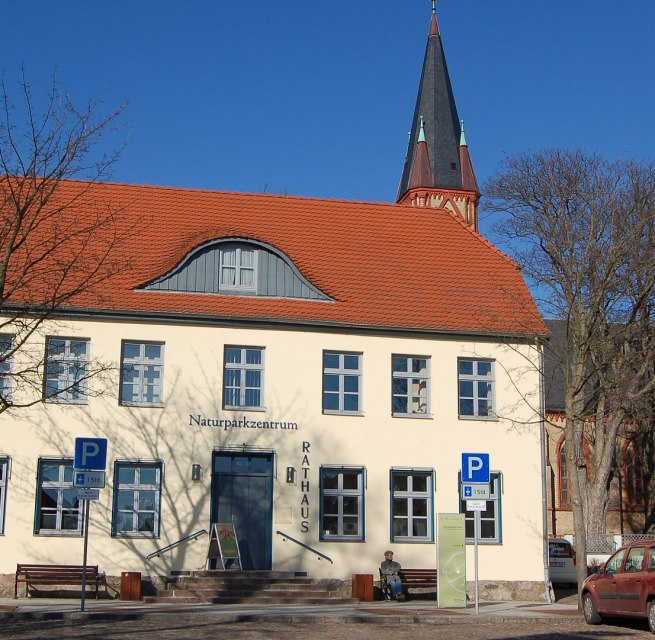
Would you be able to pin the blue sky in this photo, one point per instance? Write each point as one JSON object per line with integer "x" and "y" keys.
{"x": 316, "y": 98}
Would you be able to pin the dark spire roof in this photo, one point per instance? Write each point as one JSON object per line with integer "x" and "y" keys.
{"x": 436, "y": 104}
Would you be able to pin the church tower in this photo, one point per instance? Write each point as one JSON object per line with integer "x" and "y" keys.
{"x": 438, "y": 171}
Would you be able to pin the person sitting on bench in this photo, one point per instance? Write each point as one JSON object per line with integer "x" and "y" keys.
{"x": 390, "y": 570}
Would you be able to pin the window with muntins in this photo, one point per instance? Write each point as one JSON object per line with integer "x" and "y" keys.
{"x": 411, "y": 506}
{"x": 243, "y": 378}
{"x": 58, "y": 511}
{"x": 410, "y": 386}
{"x": 6, "y": 365}
{"x": 490, "y": 518}
{"x": 4, "y": 470}
{"x": 342, "y": 503}
{"x": 66, "y": 370}
{"x": 341, "y": 382}
{"x": 142, "y": 373}
{"x": 238, "y": 268}
{"x": 137, "y": 498}
{"x": 476, "y": 388}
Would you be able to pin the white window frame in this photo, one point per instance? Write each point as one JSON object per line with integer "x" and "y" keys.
{"x": 410, "y": 495}
{"x": 4, "y": 477}
{"x": 140, "y": 364}
{"x": 343, "y": 375}
{"x": 343, "y": 495}
{"x": 242, "y": 370}
{"x": 6, "y": 367}
{"x": 238, "y": 267}
{"x": 491, "y": 516}
{"x": 476, "y": 380}
{"x": 417, "y": 386}
{"x": 63, "y": 485}
{"x": 136, "y": 510}
{"x": 71, "y": 380}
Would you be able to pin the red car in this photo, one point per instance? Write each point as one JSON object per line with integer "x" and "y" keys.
{"x": 624, "y": 586}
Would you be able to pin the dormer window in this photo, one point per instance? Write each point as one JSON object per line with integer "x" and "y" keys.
{"x": 238, "y": 268}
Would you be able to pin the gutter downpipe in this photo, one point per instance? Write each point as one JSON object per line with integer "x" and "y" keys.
{"x": 544, "y": 489}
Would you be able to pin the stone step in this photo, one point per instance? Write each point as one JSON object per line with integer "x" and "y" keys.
{"x": 258, "y": 599}
{"x": 249, "y": 587}
{"x": 240, "y": 581}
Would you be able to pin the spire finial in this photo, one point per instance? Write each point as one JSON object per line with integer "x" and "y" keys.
{"x": 434, "y": 6}
{"x": 462, "y": 137}
{"x": 421, "y": 133}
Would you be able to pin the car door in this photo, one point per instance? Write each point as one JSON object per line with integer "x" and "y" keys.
{"x": 606, "y": 584}
{"x": 629, "y": 581}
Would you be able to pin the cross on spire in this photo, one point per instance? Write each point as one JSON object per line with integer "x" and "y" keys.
{"x": 434, "y": 6}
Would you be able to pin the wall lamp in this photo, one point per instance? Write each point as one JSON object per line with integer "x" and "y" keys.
{"x": 291, "y": 475}
{"x": 196, "y": 472}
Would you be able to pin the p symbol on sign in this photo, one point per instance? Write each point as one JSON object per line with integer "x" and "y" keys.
{"x": 475, "y": 467}
{"x": 89, "y": 451}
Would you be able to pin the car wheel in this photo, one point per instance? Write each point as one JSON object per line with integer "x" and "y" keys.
{"x": 651, "y": 616}
{"x": 591, "y": 614}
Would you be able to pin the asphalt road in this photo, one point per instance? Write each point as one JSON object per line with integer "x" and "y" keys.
{"x": 195, "y": 627}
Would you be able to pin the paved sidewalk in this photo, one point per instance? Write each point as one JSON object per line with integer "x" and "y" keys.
{"x": 423, "y": 611}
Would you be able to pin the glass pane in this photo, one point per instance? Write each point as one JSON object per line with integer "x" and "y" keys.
{"x": 466, "y": 407}
{"x": 127, "y": 475}
{"x": 125, "y": 500}
{"x": 350, "y": 480}
{"x": 231, "y": 397}
{"x": 400, "y": 385}
{"x": 466, "y": 388}
{"x": 420, "y": 483}
{"x": 146, "y": 522}
{"x": 330, "y": 479}
{"x": 49, "y": 498}
{"x": 247, "y": 258}
{"x": 260, "y": 465}
{"x": 351, "y": 384}
{"x": 420, "y": 507}
{"x": 399, "y": 404}
{"x": 48, "y": 521}
{"x": 419, "y": 365}
{"x": 400, "y": 506}
{"x": 146, "y": 500}
{"x": 350, "y": 526}
{"x": 152, "y": 374}
{"x": 465, "y": 367}
{"x": 247, "y": 277}
{"x": 420, "y": 528}
{"x": 399, "y": 482}
{"x": 70, "y": 499}
{"x": 483, "y": 408}
{"x": 233, "y": 377}
{"x": 350, "y": 362}
{"x": 331, "y": 402}
{"x": 468, "y": 528}
{"x": 330, "y": 525}
{"x": 131, "y": 350}
{"x": 400, "y": 527}
{"x": 56, "y": 347}
{"x": 253, "y": 379}
{"x": 254, "y": 356}
{"x": 253, "y": 398}
{"x": 125, "y": 523}
{"x": 350, "y": 505}
{"x": 222, "y": 464}
{"x": 330, "y": 505}
{"x": 50, "y": 472}
{"x": 351, "y": 402}
{"x": 152, "y": 351}
{"x": 148, "y": 475}
{"x": 484, "y": 390}
{"x": 68, "y": 473}
{"x": 484, "y": 368}
{"x": 69, "y": 521}
{"x": 330, "y": 360}
{"x": 79, "y": 348}
{"x": 487, "y": 529}
{"x": 240, "y": 464}
{"x": 330, "y": 382}
{"x": 233, "y": 355}
{"x": 399, "y": 364}
{"x": 229, "y": 256}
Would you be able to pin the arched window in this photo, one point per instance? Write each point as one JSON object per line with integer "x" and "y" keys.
{"x": 564, "y": 482}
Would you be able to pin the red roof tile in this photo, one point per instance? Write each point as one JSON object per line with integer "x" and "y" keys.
{"x": 385, "y": 265}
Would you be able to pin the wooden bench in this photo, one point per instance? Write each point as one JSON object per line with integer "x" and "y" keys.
{"x": 32, "y": 574}
{"x": 416, "y": 578}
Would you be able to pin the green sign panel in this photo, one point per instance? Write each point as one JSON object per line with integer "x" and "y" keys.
{"x": 451, "y": 558}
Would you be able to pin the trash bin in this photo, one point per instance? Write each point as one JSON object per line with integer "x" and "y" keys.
{"x": 363, "y": 587}
{"x": 130, "y": 585}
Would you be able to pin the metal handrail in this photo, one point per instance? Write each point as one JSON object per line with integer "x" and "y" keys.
{"x": 320, "y": 555}
{"x": 193, "y": 536}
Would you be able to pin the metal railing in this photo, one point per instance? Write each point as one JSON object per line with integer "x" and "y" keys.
{"x": 189, "y": 538}
{"x": 320, "y": 555}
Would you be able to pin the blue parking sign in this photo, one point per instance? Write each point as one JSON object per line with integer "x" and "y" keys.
{"x": 475, "y": 468}
{"x": 90, "y": 454}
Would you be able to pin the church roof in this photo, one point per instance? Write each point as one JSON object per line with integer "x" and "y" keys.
{"x": 436, "y": 105}
{"x": 385, "y": 266}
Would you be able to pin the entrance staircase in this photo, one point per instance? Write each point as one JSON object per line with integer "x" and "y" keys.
{"x": 248, "y": 587}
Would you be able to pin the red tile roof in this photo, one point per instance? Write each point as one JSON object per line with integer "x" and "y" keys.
{"x": 384, "y": 265}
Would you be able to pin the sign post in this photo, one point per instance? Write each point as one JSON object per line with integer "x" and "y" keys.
{"x": 475, "y": 474}
{"x": 89, "y": 472}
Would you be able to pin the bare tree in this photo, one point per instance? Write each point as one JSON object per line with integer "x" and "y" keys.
{"x": 584, "y": 230}
{"x": 50, "y": 247}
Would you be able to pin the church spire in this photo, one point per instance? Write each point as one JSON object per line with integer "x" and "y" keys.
{"x": 436, "y": 119}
